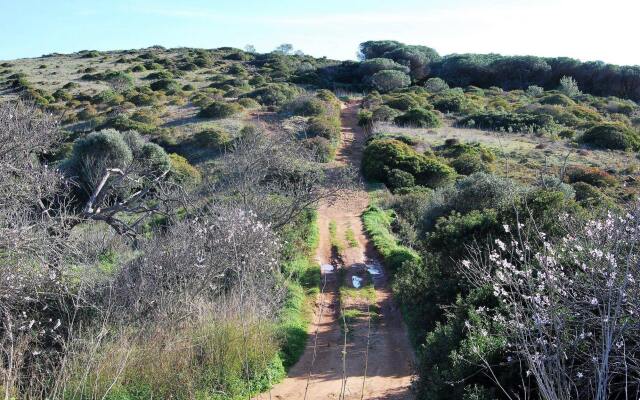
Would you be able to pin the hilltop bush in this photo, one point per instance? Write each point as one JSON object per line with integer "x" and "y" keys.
{"x": 419, "y": 118}
{"x": 611, "y": 136}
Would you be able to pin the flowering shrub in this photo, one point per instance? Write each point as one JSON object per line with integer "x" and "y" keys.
{"x": 572, "y": 304}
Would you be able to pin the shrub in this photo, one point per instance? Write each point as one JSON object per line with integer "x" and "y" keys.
{"x": 611, "y": 136}
{"x": 384, "y": 155}
{"x": 62, "y": 95}
{"x": 248, "y": 103}
{"x": 398, "y": 178}
{"x": 509, "y": 122}
{"x": 219, "y": 109}
{"x": 385, "y": 113}
{"x": 557, "y": 99}
{"x": 436, "y": 85}
{"x": 405, "y": 101}
{"x": 569, "y": 86}
{"x": 535, "y": 91}
{"x": 388, "y": 80}
{"x": 451, "y": 101}
{"x": 273, "y": 94}
{"x": 138, "y": 68}
{"x": 306, "y": 106}
{"x": 168, "y": 86}
{"x": 591, "y": 175}
{"x": 589, "y": 195}
{"x": 567, "y": 133}
{"x": 182, "y": 171}
{"x": 467, "y": 164}
{"x": 418, "y": 117}
{"x": 323, "y": 149}
{"x": 214, "y": 139}
{"x": 160, "y": 75}
{"x": 324, "y": 126}
{"x": 374, "y": 65}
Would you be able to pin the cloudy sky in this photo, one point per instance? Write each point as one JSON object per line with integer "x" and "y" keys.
{"x": 583, "y": 29}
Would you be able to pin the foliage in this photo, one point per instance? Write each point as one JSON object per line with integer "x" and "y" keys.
{"x": 184, "y": 172}
{"x": 388, "y": 80}
{"x": 383, "y": 155}
{"x": 611, "y": 136}
{"x": 219, "y": 110}
{"x": 213, "y": 138}
{"x": 273, "y": 94}
{"x": 419, "y": 118}
{"x": 508, "y": 122}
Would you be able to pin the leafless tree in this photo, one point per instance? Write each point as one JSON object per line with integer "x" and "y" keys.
{"x": 274, "y": 175}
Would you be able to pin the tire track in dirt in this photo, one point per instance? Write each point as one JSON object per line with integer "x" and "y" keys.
{"x": 390, "y": 357}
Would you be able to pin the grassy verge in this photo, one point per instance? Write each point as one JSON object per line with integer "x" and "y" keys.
{"x": 302, "y": 288}
{"x": 377, "y": 224}
{"x": 336, "y": 244}
{"x": 350, "y": 236}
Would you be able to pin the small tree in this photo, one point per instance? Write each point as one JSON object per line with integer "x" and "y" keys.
{"x": 285, "y": 48}
{"x": 250, "y": 48}
{"x": 569, "y": 86}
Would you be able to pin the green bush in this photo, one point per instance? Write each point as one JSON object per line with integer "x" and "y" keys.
{"x": 324, "y": 126}
{"x": 385, "y": 113}
{"x": 467, "y": 164}
{"x": 398, "y": 179}
{"x": 611, "y": 136}
{"x": 405, "y": 101}
{"x": 435, "y": 85}
{"x": 214, "y": 139}
{"x": 248, "y": 103}
{"x": 168, "y": 86}
{"x": 509, "y": 122}
{"x": 182, "y": 171}
{"x": 419, "y": 118}
{"x": 273, "y": 94}
{"x": 389, "y": 80}
{"x": 453, "y": 101}
{"x": 219, "y": 110}
{"x": 383, "y": 155}
{"x": 557, "y": 99}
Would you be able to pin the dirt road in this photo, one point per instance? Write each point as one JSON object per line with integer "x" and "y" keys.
{"x": 322, "y": 372}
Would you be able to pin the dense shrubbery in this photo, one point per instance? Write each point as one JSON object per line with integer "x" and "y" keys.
{"x": 273, "y": 94}
{"x": 508, "y": 122}
{"x": 219, "y": 109}
{"x": 382, "y": 156}
{"x": 388, "y": 80}
{"x": 419, "y": 118}
{"x": 611, "y": 136}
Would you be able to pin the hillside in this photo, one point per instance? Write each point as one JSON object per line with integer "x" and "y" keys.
{"x": 222, "y": 224}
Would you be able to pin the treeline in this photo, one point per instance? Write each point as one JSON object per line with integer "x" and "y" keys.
{"x": 403, "y": 64}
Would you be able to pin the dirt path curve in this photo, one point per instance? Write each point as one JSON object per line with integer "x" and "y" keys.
{"x": 319, "y": 373}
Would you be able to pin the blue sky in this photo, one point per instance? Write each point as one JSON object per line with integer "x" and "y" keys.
{"x": 584, "y": 29}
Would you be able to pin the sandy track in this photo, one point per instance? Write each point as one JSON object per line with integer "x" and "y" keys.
{"x": 319, "y": 374}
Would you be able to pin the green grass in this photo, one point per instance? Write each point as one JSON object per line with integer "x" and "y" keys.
{"x": 302, "y": 288}
{"x": 350, "y": 236}
{"x": 377, "y": 223}
{"x": 336, "y": 245}
{"x": 366, "y": 292}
